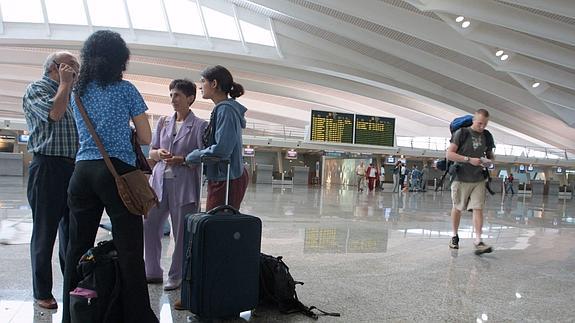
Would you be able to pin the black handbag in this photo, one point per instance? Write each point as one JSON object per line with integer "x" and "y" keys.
{"x": 209, "y": 135}
{"x": 141, "y": 160}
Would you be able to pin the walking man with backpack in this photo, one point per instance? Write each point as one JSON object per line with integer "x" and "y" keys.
{"x": 471, "y": 149}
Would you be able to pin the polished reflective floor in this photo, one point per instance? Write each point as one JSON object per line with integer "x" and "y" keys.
{"x": 373, "y": 257}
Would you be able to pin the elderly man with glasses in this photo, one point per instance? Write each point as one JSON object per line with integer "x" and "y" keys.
{"x": 53, "y": 142}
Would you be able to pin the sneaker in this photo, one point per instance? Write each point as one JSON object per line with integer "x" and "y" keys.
{"x": 172, "y": 284}
{"x": 454, "y": 243}
{"x": 482, "y": 248}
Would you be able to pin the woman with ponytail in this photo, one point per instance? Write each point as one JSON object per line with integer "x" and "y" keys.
{"x": 110, "y": 103}
{"x": 223, "y": 137}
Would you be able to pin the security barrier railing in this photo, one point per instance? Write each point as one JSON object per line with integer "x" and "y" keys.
{"x": 258, "y": 130}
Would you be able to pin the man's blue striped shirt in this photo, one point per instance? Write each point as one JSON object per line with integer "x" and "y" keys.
{"x": 48, "y": 137}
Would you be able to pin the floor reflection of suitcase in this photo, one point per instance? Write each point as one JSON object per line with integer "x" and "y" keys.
{"x": 221, "y": 262}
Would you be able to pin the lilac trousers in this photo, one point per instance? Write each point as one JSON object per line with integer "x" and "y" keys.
{"x": 154, "y": 231}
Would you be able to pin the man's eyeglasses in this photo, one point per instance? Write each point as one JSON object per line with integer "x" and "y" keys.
{"x": 58, "y": 66}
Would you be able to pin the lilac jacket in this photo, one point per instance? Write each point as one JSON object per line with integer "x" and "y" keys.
{"x": 187, "y": 179}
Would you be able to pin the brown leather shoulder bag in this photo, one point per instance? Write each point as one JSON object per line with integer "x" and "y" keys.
{"x": 133, "y": 187}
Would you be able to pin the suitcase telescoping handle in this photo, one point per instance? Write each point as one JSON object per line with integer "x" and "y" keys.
{"x": 211, "y": 160}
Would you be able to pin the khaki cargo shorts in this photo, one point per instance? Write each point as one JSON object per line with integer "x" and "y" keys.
{"x": 468, "y": 196}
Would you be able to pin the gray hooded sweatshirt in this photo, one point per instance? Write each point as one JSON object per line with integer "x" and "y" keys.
{"x": 229, "y": 122}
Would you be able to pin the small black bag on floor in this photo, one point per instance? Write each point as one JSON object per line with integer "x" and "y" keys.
{"x": 97, "y": 297}
{"x": 277, "y": 288}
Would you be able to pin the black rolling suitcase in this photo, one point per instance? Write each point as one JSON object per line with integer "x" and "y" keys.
{"x": 221, "y": 261}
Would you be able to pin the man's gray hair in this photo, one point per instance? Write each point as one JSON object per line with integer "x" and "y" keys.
{"x": 51, "y": 58}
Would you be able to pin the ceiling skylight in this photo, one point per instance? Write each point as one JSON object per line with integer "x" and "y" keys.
{"x": 147, "y": 14}
{"x": 184, "y": 17}
{"x": 22, "y": 11}
{"x": 108, "y": 13}
{"x": 220, "y": 25}
{"x": 73, "y": 15}
{"x": 256, "y": 34}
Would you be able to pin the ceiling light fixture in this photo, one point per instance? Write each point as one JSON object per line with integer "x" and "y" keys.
{"x": 465, "y": 24}
{"x": 504, "y": 57}
{"x": 536, "y": 84}
{"x": 499, "y": 53}
{"x": 459, "y": 19}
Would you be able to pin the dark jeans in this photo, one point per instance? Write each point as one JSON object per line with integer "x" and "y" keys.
{"x": 47, "y": 195}
{"x": 93, "y": 188}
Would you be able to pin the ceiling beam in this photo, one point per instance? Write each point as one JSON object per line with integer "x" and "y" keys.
{"x": 434, "y": 63}
{"x": 422, "y": 27}
{"x": 163, "y": 62}
{"x": 516, "y": 42}
{"x": 506, "y": 16}
{"x": 558, "y": 7}
{"x": 537, "y": 70}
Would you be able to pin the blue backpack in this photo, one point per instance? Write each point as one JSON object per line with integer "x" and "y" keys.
{"x": 460, "y": 122}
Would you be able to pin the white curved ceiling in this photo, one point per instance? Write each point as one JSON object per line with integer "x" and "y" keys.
{"x": 408, "y": 59}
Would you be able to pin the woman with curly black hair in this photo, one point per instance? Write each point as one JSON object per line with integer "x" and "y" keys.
{"x": 110, "y": 103}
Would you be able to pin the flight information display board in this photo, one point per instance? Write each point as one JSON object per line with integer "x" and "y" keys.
{"x": 332, "y": 127}
{"x": 370, "y": 130}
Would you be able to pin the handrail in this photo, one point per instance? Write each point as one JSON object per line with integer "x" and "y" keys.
{"x": 429, "y": 143}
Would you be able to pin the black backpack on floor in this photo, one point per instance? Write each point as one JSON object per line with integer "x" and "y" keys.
{"x": 100, "y": 273}
{"x": 277, "y": 288}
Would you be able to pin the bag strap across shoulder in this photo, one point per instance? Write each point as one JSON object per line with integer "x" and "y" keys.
{"x": 95, "y": 136}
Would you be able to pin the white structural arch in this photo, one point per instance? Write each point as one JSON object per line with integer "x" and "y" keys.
{"x": 407, "y": 59}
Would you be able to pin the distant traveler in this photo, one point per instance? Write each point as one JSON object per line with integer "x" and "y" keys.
{"x": 424, "y": 177}
{"x": 415, "y": 179}
{"x": 396, "y": 177}
{"x": 360, "y": 173}
{"x": 403, "y": 175}
{"x": 509, "y": 184}
{"x": 371, "y": 175}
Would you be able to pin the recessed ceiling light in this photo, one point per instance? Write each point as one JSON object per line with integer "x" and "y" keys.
{"x": 504, "y": 57}
{"x": 465, "y": 24}
{"x": 536, "y": 84}
{"x": 459, "y": 19}
{"x": 499, "y": 53}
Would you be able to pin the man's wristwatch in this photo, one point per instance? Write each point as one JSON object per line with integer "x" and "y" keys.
{"x": 466, "y": 159}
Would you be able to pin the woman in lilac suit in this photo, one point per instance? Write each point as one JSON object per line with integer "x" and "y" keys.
{"x": 176, "y": 184}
